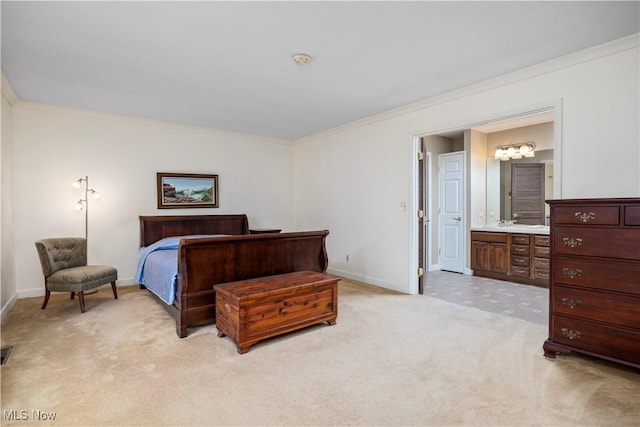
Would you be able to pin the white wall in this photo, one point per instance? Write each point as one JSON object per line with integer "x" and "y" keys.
{"x": 351, "y": 179}
{"x": 7, "y": 259}
{"x": 353, "y": 183}
{"x": 54, "y": 146}
{"x": 476, "y": 148}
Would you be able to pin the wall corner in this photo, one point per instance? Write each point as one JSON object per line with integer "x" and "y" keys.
{"x": 7, "y": 90}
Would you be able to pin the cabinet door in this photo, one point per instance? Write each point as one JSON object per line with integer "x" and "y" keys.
{"x": 498, "y": 258}
{"x": 479, "y": 259}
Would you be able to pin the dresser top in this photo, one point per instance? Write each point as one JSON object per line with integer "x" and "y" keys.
{"x": 599, "y": 201}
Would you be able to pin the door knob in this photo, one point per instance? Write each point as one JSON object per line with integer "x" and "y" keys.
{"x": 457, "y": 219}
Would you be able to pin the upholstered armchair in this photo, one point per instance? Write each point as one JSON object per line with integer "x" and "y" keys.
{"x": 65, "y": 269}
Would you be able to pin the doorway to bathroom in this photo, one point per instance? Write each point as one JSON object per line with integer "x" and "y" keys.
{"x": 486, "y": 195}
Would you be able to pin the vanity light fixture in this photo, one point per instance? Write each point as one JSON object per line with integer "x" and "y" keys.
{"x": 515, "y": 150}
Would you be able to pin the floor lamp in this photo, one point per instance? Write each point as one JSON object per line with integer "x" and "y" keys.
{"x": 83, "y": 204}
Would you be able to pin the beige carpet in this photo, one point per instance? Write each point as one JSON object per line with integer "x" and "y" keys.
{"x": 390, "y": 360}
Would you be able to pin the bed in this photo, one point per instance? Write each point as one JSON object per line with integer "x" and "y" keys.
{"x": 219, "y": 249}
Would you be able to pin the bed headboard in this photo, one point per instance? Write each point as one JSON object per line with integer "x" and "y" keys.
{"x": 154, "y": 228}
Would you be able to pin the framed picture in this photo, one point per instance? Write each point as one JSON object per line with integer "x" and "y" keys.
{"x": 187, "y": 190}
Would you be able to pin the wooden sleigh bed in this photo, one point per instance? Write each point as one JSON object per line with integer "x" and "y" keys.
{"x": 205, "y": 262}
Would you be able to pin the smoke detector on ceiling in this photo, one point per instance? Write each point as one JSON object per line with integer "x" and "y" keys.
{"x": 301, "y": 58}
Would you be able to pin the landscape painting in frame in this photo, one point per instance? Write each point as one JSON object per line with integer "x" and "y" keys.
{"x": 187, "y": 190}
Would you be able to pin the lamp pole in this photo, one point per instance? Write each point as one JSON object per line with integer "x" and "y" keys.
{"x": 86, "y": 210}
{"x": 83, "y": 204}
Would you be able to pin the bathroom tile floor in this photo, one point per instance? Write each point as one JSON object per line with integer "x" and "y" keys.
{"x": 525, "y": 302}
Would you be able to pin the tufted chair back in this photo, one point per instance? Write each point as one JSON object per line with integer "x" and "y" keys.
{"x": 59, "y": 253}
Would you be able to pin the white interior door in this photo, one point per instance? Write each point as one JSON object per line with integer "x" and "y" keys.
{"x": 451, "y": 218}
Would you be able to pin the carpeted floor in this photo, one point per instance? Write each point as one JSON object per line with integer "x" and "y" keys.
{"x": 391, "y": 360}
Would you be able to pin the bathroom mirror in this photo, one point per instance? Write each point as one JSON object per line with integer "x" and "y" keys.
{"x": 535, "y": 185}
{"x": 533, "y": 179}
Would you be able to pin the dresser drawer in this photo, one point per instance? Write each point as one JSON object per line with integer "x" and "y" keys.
{"x": 602, "y": 242}
{"x": 484, "y": 236}
{"x": 541, "y": 274}
{"x": 616, "y": 309}
{"x": 541, "y": 263}
{"x": 541, "y": 252}
{"x": 596, "y": 338}
{"x": 520, "y": 250}
{"x": 520, "y": 239}
{"x": 542, "y": 241}
{"x": 520, "y": 271}
{"x": 611, "y": 275}
{"x": 632, "y": 215}
{"x": 587, "y": 215}
{"x": 520, "y": 261}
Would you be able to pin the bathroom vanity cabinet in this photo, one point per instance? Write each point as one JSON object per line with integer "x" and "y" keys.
{"x": 489, "y": 252}
{"x": 517, "y": 257}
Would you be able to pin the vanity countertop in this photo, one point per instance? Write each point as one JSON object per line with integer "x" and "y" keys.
{"x": 517, "y": 228}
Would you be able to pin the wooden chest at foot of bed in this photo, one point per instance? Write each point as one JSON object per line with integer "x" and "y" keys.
{"x": 252, "y": 310}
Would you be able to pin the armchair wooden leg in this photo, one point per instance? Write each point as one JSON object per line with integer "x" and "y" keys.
{"x": 81, "y": 298}
{"x": 46, "y": 299}
{"x": 115, "y": 292}
{"x": 73, "y": 294}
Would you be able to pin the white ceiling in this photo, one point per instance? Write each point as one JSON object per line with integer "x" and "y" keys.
{"x": 228, "y": 65}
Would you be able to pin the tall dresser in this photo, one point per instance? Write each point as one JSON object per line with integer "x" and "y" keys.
{"x": 594, "y": 289}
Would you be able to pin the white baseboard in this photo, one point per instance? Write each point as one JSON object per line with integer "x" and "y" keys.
{"x": 7, "y": 308}
{"x": 126, "y": 282}
{"x": 39, "y": 291}
{"x": 368, "y": 280}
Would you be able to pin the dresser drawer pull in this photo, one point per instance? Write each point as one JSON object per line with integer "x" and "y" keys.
{"x": 572, "y": 273}
{"x": 572, "y": 335}
{"x": 571, "y": 242}
{"x": 571, "y": 303}
{"x": 585, "y": 216}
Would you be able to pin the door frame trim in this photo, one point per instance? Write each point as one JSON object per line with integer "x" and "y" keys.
{"x": 555, "y": 105}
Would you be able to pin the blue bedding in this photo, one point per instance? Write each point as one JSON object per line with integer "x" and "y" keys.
{"x": 158, "y": 266}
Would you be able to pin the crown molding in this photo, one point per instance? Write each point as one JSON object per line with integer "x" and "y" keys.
{"x": 7, "y": 91}
{"x": 569, "y": 60}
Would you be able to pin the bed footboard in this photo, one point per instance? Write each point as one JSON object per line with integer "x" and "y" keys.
{"x": 203, "y": 263}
